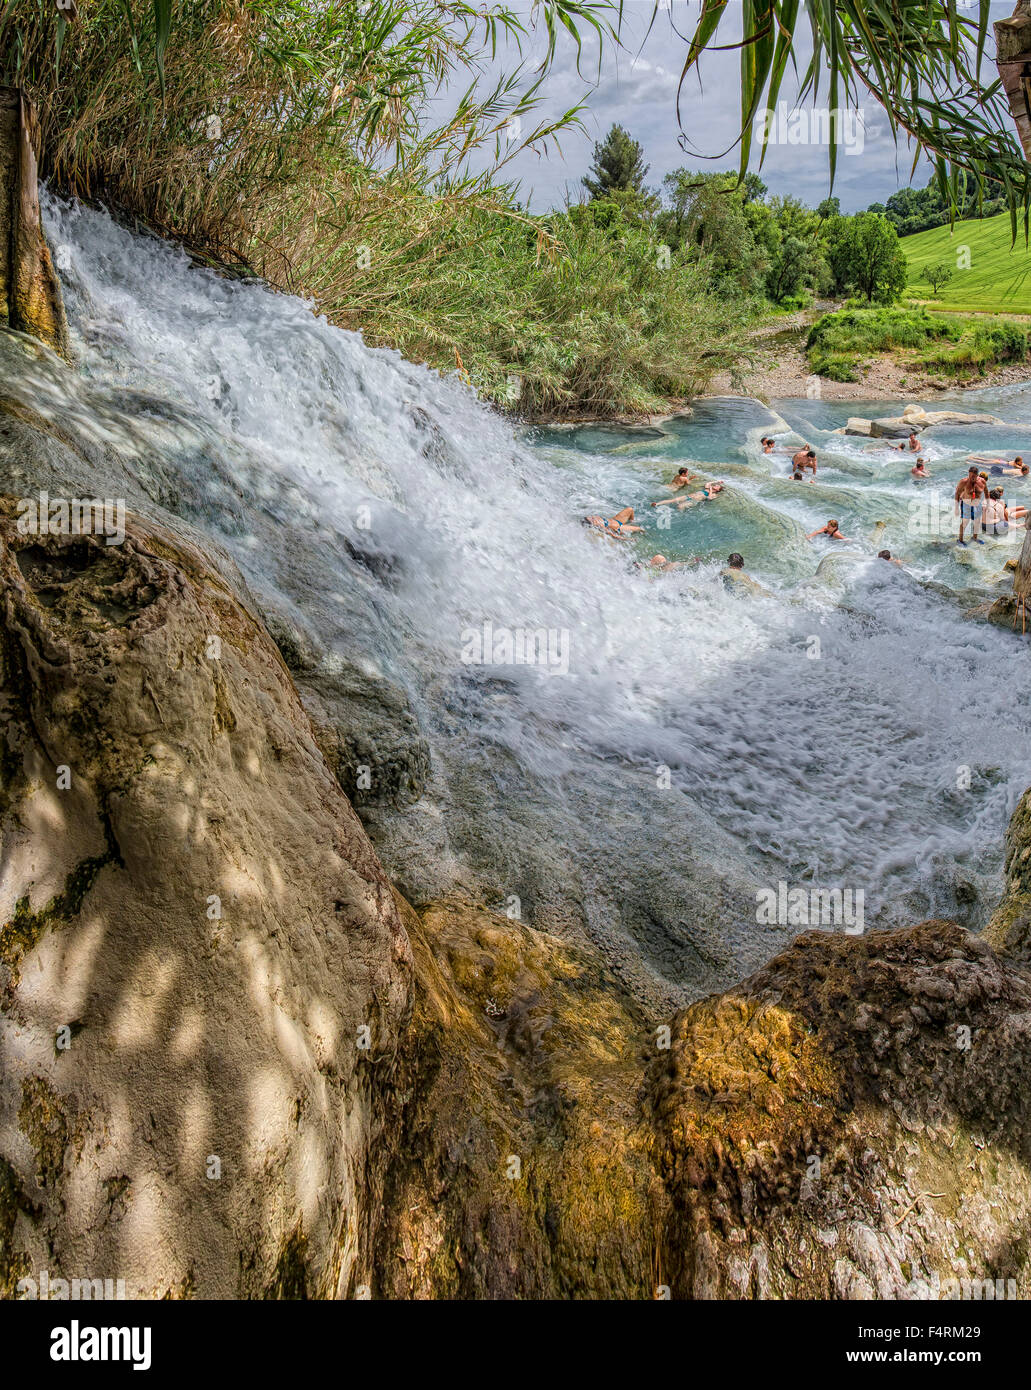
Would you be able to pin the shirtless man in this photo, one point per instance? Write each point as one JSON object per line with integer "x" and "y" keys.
{"x": 912, "y": 443}
{"x": 805, "y": 458}
{"x": 767, "y": 442}
{"x": 970, "y": 497}
{"x": 682, "y": 479}
{"x": 919, "y": 470}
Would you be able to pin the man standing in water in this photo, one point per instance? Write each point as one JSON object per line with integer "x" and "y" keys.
{"x": 970, "y": 494}
{"x": 805, "y": 458}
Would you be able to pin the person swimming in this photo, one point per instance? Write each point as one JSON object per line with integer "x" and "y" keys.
{"x": 887, "y": 555}
{"x": 831, "y": 530}
{"x": 767, "y": 442}
{"x": 919, "y": 470}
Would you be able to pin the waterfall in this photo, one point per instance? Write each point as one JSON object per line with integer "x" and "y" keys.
{"x": 668, "y": 747}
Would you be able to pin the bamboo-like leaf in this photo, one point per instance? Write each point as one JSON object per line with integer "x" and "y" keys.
{"x": 162, "y": 29}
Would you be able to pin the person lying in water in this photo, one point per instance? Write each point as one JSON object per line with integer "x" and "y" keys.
{"x": 887, "y": 555}
{"x": 831, "y": 530}
{"x": 618, "y": 525}
{"x": 1001, "y": 468}
{"x": 621, "y": 523}
{"x": 708, "y": 491}
{"x": 919, "y": 470}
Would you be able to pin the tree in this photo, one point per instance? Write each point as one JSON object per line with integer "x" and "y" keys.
{"x": 830, "y": 207}
{"x": 707, "y": 217}
{"x": 937, "y": 275}
{"x": 618, "y": 165}
{"x": 866, "y": 258}
{"x": 916, "y": 209}
{"x": 798, "y": 259}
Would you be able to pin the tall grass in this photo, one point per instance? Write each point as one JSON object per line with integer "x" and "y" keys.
{"x": 297, "y": 142}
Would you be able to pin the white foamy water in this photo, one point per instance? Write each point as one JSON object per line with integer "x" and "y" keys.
{"x": 388, "y": 514}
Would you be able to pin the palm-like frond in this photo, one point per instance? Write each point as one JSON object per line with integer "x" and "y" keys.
{"x": 922, "y": 61}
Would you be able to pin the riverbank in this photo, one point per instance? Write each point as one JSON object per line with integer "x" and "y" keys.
{"x": 779, "y": 369}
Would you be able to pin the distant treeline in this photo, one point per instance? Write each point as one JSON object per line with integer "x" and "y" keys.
{"x": 917, "y": 209}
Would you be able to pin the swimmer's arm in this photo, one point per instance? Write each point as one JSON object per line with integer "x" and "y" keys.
{"x": 822, "y": 532}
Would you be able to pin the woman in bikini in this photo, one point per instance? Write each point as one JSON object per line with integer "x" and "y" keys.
{"x": 620, "y": 524}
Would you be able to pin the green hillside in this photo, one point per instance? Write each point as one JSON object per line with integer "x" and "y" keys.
{"x": 999, "y": 277}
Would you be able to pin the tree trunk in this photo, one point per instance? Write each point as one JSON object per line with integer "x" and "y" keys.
{"x": 1013, "y": 59}
{"x": 30, "y": 292}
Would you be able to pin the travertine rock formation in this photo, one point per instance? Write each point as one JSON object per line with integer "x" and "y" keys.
{"x": 196, "y": 932}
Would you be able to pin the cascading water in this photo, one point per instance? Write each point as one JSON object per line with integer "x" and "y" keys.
{"x": 703, "y": 745}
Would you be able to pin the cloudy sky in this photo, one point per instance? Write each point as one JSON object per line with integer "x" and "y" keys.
{"x": 637, "y": 89}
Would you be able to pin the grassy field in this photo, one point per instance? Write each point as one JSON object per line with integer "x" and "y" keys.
{"x": 999, "y": 277}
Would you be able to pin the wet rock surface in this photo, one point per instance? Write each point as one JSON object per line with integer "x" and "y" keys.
{"x": 195, "y": 932}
